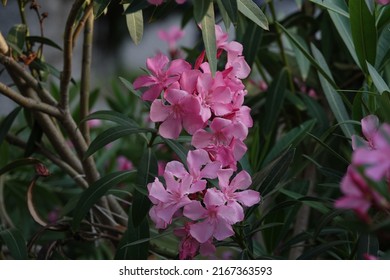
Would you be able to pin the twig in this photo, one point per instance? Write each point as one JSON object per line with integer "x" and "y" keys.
{"x": 68, "y": 50}
{"x": 29, "y": 102}
{"x": 77, "y": 177}
{"x": 88, "y": 11}
{"x": 86, "y": 76}
{"x": 18, "y": 70}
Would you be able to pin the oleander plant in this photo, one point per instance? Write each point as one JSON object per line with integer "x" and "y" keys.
{"x": 268, "y": 138}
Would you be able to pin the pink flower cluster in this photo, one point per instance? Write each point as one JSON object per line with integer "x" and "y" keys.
{"x": 206, "y": 192}
{"x": 370, "y": 167}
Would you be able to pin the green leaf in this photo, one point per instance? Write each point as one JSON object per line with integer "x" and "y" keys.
{"x": 292, "y": 37}
{"x": 112, "y": 134}
{"x": 17, "y": 35}
{"x": 34, "y": 138}
{"x": 383, "y": 49}
{"x": 98, "y": 189}
{"x": 331, "y": 6}
{"x": 133, "y": 235}
{"x": 252, "y": 41}
{"x": 291, "y": 138}
{"x": 231, "y": 9}
{"x": 147, "y": 171}
{"x": 200, "y": 9}
{"x": 249, "y": 9}
{"x": 209, "y": 39}
{"x": 4, "y": 2}
{"x": 224, "y": 14}
{"x": 15, "y": 242}
{"x": 178, "y": 148}
{"x": 274, "y": 102}
{"x": 379, "y": 83}
{"x": 99, "y": 6}
{"x": 317, "y": 112}
{"x": 364, "y": 32}
{"x": 135, "y": 6}
{"x": 343, "y": 25}
{"x": 302, "y": 61}
{"x": 6, "y": 124}
{"x": 112, "y": 116}
{"x": 135, "y": 25}
{"x": 130, "y": 87}
{"x": 43, "y": 40}
{"x": 312, "y": 253}
{"x": 335, "y": 102}
{"x": 267, "y": 179}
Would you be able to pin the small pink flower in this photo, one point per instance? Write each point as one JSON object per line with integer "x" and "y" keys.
{"x": 124, "y": 164}
{"x": 182, "y": 110}
{"x": 171, "y": 36}
{"x": 162, "y": 75}
{"x": 216, "y": 217}
{"x": 94, "y": 123}
{"x": 370, "y": 125}
{"x": 383, "y": 2}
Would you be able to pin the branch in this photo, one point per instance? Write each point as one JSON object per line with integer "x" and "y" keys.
{"x": 86, "y": 75}
{"x": 83, "y": 20}
{"x": 68, "y": 49}
{"x": 15, "y": 68}
{"x": 29, "y": 102}
{"x": 77, "y": 177}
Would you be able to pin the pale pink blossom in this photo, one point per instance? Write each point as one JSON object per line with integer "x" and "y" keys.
{"x": 358, "y": 195}
{"x": 235, "y": 190}
{"x": 383, "y": 2}
{"x": 370, "y": 125}
{"x": 216, "y": 218}
{"x": 171, "y": 36}
{"x": 161, "y": 77}
{"x": 182, "y": 111}
{"x": 124, "y": 163}
{"x": 94, "y": 123}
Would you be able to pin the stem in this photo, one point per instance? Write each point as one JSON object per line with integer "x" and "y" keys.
{"x": 68, "y": 50}
{"x": 86, "y": 76}
{"x": 29, "y": 102}
{"x": 83, "y": 20}
{"x": 281, "y": 47}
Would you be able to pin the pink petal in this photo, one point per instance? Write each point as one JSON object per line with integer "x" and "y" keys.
{"x": 197, "y": 158}
{"x": 170, "y": 128}
{"x": 144, "y": 81}
{"x": 158, "y": 111}
{"x": 188, "y": 80}
{"x": 248, "y": 197}
{"x": 370, "y": 126}
{"x": 207, "y": 249}
{"x": 213, "y": 197}
{"x": 224, "y": 177}
{"x": 223, "y": 230}
{"x": 210, "y": 170}
{"x": 194, "y": 211}
{"x": 178, "y": 66}
{"x": 201, "y": 139}
{"x": 176, "y": 168}
{"x": 152, "y": 93}
{"x": 198, "y": 186}
{"x": 157, "y": 191}
{"x": 157, "y": 63}
{"x": 202, "y": 231}
{"x": 242, "y": 181}
{"x": 174, "y": 96}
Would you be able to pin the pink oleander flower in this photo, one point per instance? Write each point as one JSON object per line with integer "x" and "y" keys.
{"x": 94, "y": 123}
{"x": 358, "y": 195}
{"x": 171, "y": 36}
{"x": 199, "y": 164}
{"x": 124, "y": 164}
{"x": 216, "y": 218}
{"x": 167, "y": 201}
{"x": 376, "y": 162}
{"x": 162, "y": 75}
{"x": 235, "y": 190}
{"x": 370, "y": 125}
{"x": 161, "y": 167}
{"x": 182, "y": 111}
{"x": 383, "y": 2}
{"x": 189, "y": 246}
{"x": 221, "y": 133}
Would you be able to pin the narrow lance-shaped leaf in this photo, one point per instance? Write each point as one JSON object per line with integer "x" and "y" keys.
{"x": 112, "y": 116}
{"x": 379, "y": 83}
{"x": 98, "y": 189}
{"x": 200, "y": 9}
{"x": 147, "y": 171}
{"x": 15, "y": 242}
{"x": 249, "y": 9}
{"x": 252, "y": 42}
{"x": 112, "y": 134}
{"x": 17, "y": 35}
{"x": 335, "y": 102}
{"x": 99, "y": 6}
{"x": 7, "y": 123}
{"x": 43, "y": 40}
{"x": 364, "y": 33}
{"x": 224, "y": 14}
{"x": 331, "y": 6}
{"x": 367, "y": 245}
{"x": 135, "y": 25}
{"x": 209, "y": 39}
{"x": 231, "y": 9}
